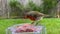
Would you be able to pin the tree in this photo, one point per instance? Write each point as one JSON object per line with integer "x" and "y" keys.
{"x": 33, "y": 7}
{"x": 16, "y": 8}
{"x": 48, "y": 6}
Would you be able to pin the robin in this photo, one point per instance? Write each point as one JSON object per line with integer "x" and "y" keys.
{"x": 34, "y": 16}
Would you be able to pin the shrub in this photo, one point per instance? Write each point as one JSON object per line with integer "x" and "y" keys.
{"x": 16, "y": 8}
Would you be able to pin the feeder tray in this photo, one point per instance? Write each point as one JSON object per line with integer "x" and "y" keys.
{"x": 42, "y": 30}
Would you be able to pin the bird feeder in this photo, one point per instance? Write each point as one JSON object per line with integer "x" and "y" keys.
{"x": 32, "y": 28}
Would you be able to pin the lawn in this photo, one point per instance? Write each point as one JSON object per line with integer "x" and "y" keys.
{"x": 52, "y": 24}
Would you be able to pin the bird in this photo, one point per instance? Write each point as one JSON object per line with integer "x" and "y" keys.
{"x": 34, "y": 15}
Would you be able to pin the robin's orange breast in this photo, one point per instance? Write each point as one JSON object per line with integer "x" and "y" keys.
{"x": 31, "y": 18}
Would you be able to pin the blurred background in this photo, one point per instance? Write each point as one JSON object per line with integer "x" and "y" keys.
{"x": 13, "y": 11}
{"x": 17, "y": 8}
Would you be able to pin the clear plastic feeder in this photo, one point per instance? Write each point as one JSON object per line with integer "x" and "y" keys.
{"x": 11, "y": 30}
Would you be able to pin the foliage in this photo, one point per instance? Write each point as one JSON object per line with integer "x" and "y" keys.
{"x": 46, "y": 7}
{"x": 16, "y": 7}
{"x": 49, "y": 5}
{"x": 32, "y": 6}
{"x": 14, "y": 3}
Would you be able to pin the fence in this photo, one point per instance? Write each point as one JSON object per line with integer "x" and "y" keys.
{"x": 5, "y": 7}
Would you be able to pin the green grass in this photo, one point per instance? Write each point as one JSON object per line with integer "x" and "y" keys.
{"x": 52, "y": 24}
